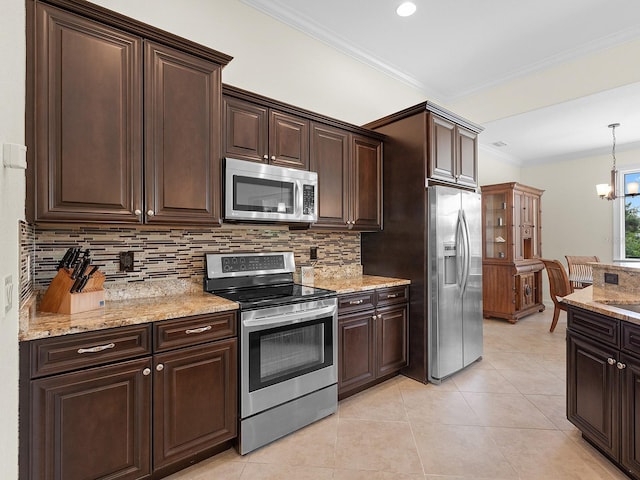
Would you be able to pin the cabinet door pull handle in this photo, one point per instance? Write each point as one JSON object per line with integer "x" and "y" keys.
{"x": 99, "y": 348}
{"x": 146, "y": 372}
{"x": 159, "y": 367}
{"x": 151, "y": 213}
{"x": 611, "y": 361}
{"x": 137, "y": 212}
{"x": 198, "y": 330}
{"x": 273, "y": 157}
{"x": 392, "y": 295}
{"x": 374, "y": 317}
{"x": 621, "y": 366}
{"x": 265, "y": 157}
{"x": 356, "y": 302}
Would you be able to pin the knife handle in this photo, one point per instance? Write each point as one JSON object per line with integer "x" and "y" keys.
{"x": 76, "y": 285}
{"x": 65, "y": 259}
{"x": 83, "y": 283}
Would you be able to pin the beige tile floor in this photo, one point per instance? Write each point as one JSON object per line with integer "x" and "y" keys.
{"x": 501, "y": 418}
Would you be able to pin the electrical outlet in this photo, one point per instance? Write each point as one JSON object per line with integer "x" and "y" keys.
{"x": 126, "y": 261}
{"x": 611, "y": 278}
{"x": 8, "y": 293}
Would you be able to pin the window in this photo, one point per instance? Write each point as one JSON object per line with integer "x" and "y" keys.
{"x": 627, "y": 218}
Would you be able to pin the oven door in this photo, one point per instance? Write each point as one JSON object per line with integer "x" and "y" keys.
{"x": 287, "y": 352}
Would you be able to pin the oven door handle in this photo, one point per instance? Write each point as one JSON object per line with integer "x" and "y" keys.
{"x": 289, "y": 318}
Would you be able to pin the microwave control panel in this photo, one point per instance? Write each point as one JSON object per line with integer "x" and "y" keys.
{"x": 308, "y": 199}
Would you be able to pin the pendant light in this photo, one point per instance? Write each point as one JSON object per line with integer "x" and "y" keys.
{"x": 608, "y": 191}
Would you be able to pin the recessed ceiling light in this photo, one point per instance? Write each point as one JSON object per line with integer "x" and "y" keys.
{"x": 499, "y": 143}
{"x": 406, "y": 9}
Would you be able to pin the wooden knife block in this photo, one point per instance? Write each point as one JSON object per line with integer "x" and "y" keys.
{"x": 59, "y": 299}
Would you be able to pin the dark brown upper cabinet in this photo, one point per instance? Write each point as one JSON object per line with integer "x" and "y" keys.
{"x": 366, "y": 183}
{"x": 182, "y": 132}
{"x": 347, "y": 158}
{"x": 349, "y": 168}
{"x": 99, "y": 151}
{"x": 261, "y": 134}
{"x": 453, "y": 156}
{"x": 330, "y": 159}
{"x": 446, "y": 142}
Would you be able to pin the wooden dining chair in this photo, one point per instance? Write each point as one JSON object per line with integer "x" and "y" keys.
{"x": 559, "y": 286}
{"x": 580, "y": 272}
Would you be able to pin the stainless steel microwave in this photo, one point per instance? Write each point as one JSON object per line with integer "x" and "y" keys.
{"x": 257, "y": 192}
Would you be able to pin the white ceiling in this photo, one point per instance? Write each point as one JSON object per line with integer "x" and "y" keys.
{"x": 453, "y": 49}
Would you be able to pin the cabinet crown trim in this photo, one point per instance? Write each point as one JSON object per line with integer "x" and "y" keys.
{"x": 131, "y": 25}
{"x": 428, "y": 107}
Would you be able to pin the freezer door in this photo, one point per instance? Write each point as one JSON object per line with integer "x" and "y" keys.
{"x": 472, "y": 296}
{"x": 446, "y": 270}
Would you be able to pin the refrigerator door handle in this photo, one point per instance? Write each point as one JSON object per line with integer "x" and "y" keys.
{"x": 460, "y": 254}
{"x": 464, "y": 227}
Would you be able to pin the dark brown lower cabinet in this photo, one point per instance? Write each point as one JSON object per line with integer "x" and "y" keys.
{"x": 356, "y": 350}
{"x": 594, "y": 393}
{"x": 133, "y": 402}
{"x": 391, "y": 335}
{"x": 92, "y": 424}
{"x": 195, "y": 398}
{"x": 603, "y": 385}
{"x": 372, "y": 341}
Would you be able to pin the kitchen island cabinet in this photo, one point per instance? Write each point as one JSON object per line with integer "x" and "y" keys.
{"x": 139, "y": 401}
{"x": 123, "y": 120}
{"x": 603, "y": 384}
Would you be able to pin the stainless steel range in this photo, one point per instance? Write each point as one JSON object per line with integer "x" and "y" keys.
{"x": 288, "y": 344}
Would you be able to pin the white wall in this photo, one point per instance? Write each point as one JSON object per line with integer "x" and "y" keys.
{"x": 12, "y": 194}
{"x": 493, "y": 169}
{"x": 575, "y": 220}
{"x": 579, "y": 77}
{"x": 275, "y": 60}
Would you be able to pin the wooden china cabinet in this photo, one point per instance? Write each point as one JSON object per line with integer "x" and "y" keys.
{"x": 512, "y": 248}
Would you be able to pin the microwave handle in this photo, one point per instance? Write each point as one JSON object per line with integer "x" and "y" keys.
{"x": 297, "y": 207}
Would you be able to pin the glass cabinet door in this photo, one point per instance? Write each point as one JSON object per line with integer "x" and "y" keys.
{"x": 495, "y": 225}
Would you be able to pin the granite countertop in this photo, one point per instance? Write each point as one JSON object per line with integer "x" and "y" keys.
{"x": 358, "y": 283}
{"x": 118, "y": 313}
{"x": 122, "y": 312}
{"x": 583, "y": 298}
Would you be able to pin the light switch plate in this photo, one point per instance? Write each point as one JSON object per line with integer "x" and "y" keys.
{"x": 7, "y": 293}
{"x": 14, "y": 156}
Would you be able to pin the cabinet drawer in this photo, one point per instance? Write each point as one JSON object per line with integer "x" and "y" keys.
{"x": 80, "y": 350}
{"x": 187, "y": 331}
{"x": 391, "y": 295}
{"x": 354, "y": 302}
{"x": 630, "y": 338}
{"x": 594, "y": 325}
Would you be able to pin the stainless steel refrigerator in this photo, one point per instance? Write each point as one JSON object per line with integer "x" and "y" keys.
{"x": 454, "y": 280}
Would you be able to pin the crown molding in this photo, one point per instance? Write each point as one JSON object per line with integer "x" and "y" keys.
{"x": 276, "y": 9}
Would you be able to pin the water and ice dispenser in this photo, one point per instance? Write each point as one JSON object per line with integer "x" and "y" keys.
{"x": 450, "y": 270}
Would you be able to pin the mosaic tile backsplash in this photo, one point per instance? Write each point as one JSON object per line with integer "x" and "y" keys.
{"x": 176, "y": 253}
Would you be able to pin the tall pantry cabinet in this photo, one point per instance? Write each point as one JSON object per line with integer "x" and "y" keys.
{"x": 512, "y": 248}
